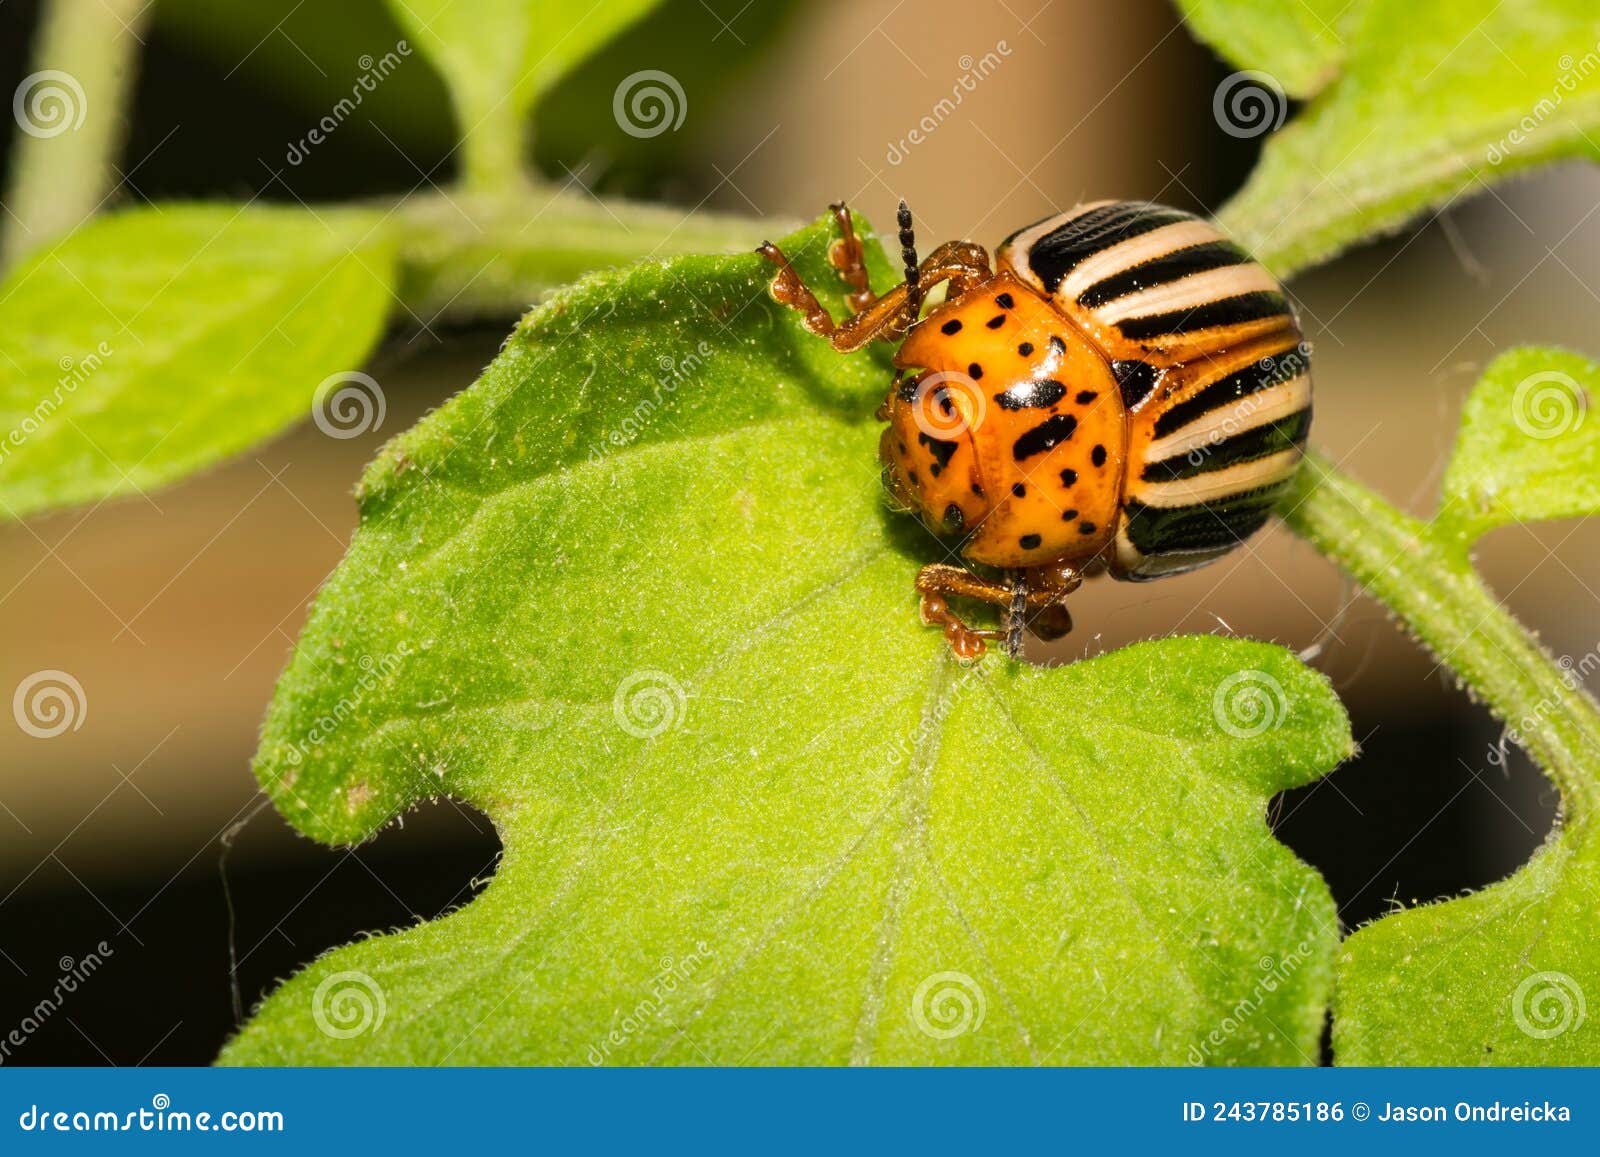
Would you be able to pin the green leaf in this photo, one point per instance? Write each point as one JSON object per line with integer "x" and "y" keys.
{"x": 499, "y": 56}
{"x": 1501, "y": 976}
{"x": 1298, "y": 44}
{"x": 153, "y": 343}
{"x": 1437, "y": 97}
{"x": 636, "y": 594}
{"x": 1528, "y": 444}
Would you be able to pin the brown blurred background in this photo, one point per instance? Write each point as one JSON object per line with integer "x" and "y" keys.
{"x": 176, "y": 613}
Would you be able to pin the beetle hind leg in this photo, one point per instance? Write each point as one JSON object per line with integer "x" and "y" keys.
{"x": 1033, "y": 601}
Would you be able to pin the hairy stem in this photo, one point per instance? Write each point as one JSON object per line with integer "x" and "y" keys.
{"x": 467, "y": 256}
{"x": 1426, "y": 577}
{"x": 84, "y": 61}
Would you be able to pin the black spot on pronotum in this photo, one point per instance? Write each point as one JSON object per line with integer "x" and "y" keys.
{"x": 974, "y": 371}
{"x": 996, "y": 321}
{"x": 1085, "y": 397}
{"x": 1086, "y": 528}
{"x": 1004, "y": 301}
{"x": 1069, "y": 515}
{"x": 1098, "y": 455}
{"x": 953, "y": 517}
{"x": 1019, "y": 489}
{"x": 1047, "y": 435}
{"x": 951, "y": 326}
{"x": 1069, "y": 477}
{"x": 940, "y": 449}
{"x": 1025, "y": 349}
{"x": 1057, "y": 344}
{"x": 913, "y": 479}
{"x": 1029, "y": 541}
{"x": 978, "y": 490}
{"x": 1039, "y": 395}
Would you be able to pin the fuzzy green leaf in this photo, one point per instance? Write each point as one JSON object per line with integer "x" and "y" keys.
{"x": 1501, "y": 976}
{"x": 1437, "y": 97}
{"x": 1528, "y": 445}
{"x": 155, "y": 342}
{"x": 636, "y": 594}
{"x": 1298, "y": 44}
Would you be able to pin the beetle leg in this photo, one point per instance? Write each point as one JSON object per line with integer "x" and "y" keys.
{"x": 849, "y": 258}
{"x": 961, "y": 263}
{"x": 1035, "y": 599}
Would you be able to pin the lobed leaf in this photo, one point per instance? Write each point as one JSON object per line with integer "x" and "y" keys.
{"x": 1436, "y": 98}
{"x": 636, "y": 595}
{"x": 152, "y": 343}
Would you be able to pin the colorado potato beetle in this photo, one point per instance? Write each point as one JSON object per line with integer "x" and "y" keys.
{"x": 1122, "y": 390}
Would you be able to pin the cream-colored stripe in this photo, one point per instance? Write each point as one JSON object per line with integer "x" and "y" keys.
{"x": 1219, "y": 483}
{"x": 1016, "y": 251}
{"x": 1189, "y": 292}
{"x": 1134, "y": 251}
{"x": 1135, "y": 561}
{"x": 1247, "y": 413}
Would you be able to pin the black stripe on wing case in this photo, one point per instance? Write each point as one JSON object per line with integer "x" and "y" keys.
{"x": 1169, "y": 267}
{"x": 1135, "y": 379}
{"x": 1264, "y": 374}
{"x": 1226, "y": 311}
{"x": 1262, "y": 442}
{"x": 1059, "y": 251}
{"x": 1157, "y": 530}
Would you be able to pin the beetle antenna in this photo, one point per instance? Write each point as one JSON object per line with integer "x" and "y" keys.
{"x": 908, "y": 254}
{"x": 1015, "y": 616}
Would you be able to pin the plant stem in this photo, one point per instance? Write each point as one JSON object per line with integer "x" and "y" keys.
{"x": 493, "y": 147}
{"x": 62, "y": 170}
{"x": 1426, "y": 577}
{"x": 468, "y": 256}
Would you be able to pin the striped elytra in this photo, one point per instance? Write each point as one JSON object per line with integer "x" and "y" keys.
{"x": 1166, "y": 372}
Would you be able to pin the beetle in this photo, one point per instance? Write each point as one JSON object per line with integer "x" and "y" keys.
{"x": 1122, "y": 390}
